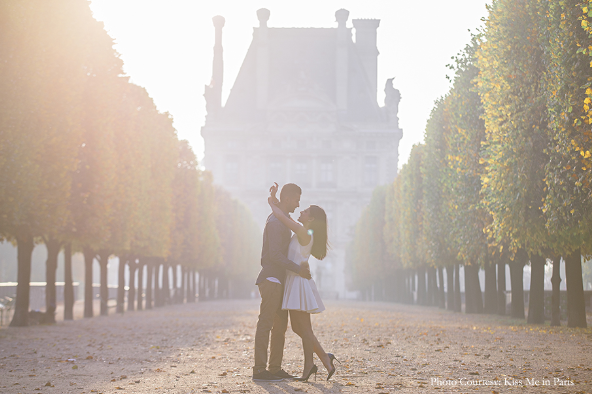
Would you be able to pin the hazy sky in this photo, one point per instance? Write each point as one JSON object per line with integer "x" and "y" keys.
{"x": 167, "y": 48}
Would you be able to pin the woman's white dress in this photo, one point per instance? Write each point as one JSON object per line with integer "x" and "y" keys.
{"x": 301, "y": 294}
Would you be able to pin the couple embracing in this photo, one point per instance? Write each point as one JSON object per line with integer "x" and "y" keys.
{"x": 286, "y": 286}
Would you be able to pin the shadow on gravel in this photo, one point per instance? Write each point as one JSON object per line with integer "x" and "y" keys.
{"x": 105, "y": 352}
{"x": 284, "y": 387}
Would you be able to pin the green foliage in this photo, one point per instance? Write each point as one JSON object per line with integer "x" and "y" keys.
{"x": 185, "y": 228}
{"x": 370, "y": 262}
{"x": 507, "y": 158}
{"x": 465, "y": 135}
{"x": 435, "y": 172}
{"x": 240, "y": 238}
{"x": 511, "y": 87}
{"x": 413, "y": 244}
{"x": 208, "y": 244}
{"x": 392, "y": 222}
{"x": 86, "y": 157}
{"x": 567, "y": 41}
{"x": 45, "y": 56}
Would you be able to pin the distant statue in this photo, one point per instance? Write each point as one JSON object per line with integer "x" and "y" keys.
{"x": 208, "y": 94}
{"x": 391, "y": 101}
{"x": 212, "y": 96}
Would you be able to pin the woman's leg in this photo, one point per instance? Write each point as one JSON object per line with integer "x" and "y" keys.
{"x": 310, "y": 343}
{"x": 299, "y": 327}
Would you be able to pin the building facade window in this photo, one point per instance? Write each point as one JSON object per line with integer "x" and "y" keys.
{"x": 231, "y": 174}
{"x": 329, "y": 208}
{"x": 370, "y": 171}
{"x": 327, "y": 173}
{"x": 301, "y": 175}
{"x": 276, "y": 171}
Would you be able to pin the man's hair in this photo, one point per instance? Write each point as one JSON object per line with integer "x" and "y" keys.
{"x": 290, "y": 190}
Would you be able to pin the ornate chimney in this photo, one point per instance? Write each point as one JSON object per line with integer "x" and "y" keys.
{"x": 366, "y": 45}
{"x": 341, "y": 61}
{"x": 213, "y": 92}
{"x": 262, "y": 58}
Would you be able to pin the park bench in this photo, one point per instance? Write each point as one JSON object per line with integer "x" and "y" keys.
{"x": 6, "y": 305}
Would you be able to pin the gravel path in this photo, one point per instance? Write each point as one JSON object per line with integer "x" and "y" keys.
{"x": 207, "y": 348}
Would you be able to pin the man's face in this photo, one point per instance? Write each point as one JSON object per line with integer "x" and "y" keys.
{"x": 292, "y": 202}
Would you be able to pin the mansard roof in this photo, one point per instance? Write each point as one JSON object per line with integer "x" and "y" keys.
{"x": 302, "y": 62}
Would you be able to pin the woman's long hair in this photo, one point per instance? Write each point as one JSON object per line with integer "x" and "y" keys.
{"x": 319, "y": 231}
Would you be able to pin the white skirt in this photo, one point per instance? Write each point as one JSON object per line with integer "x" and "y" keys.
{"x": 301, "y": 295}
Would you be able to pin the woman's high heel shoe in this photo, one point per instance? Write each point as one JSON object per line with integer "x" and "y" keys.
{"x": 332, "y": 358}
{"x": 314, "y": 370}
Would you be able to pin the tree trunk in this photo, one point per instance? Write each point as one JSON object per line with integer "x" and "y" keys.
{"x": 166, "y": 285}
{"x": 450, "y": 288}
{"x": 149, "y": 283}
{"x": 468, "y": 292}
{"x": 140, "y": 291}
{"x": 131, "y": 292}
{"x": 432, "y": 289}
{"x": 441, "y": 294}
{"x": 457, "y": 298}
{"x": 473, "y": 294}
{"x": 403, "y": 296}
{"x": 576, "y": 305}
{"x": 89, "y": 256}
{"x": 490, "y": 288}
{"x": 501, "y": 287}
{"x": 556, "y": 281}
{"x": 51, "y": 266}
{"x": 157, "y": 284}
{"x": 536, "y": 300}
{"x": 103, "y": 258}
{"x": 189, "y": 285}
{"x": 421, "y": 287}
{"x": 175, "y": 296}
{"x": 224, "y": 284}
{"x": 121, "y": 284}
{"x": 516, "y": 276}
{"x": 68, "y": 285}
{"x": 408, "y": 292}
{"x": 210, "y": 286}
{"x": 25, "y": 246}
{"x": 201, "y": 293}
{"x": 183, "y": 285}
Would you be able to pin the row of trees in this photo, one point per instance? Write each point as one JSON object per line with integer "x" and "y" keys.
{"x": 87, "y": 163}
{"x": 504, "y": 174}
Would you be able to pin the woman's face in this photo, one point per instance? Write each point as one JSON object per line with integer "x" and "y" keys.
{"x": 305, "y": 216}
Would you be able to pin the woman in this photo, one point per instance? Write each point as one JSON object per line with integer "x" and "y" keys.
{"x": 301, "y": 296}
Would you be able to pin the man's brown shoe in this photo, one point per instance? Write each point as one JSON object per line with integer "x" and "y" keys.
{"x": 284, "y": 375}
{"x": 266, "y": 376}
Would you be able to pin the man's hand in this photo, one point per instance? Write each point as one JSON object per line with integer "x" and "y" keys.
{"x": 305, "y": 270}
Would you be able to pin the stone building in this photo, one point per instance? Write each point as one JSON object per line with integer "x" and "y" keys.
{"x": 304, "y": 109}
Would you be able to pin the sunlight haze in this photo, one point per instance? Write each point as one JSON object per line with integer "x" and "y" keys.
{"x": 167, "y": 48}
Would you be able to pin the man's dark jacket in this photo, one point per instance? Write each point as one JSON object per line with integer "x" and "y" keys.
{"x": 274, "y": 260}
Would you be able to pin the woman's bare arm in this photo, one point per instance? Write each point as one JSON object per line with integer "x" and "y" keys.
{"x": 297, "y": 228}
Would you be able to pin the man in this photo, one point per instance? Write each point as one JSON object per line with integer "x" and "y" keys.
{"x": 274, "y": 262}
